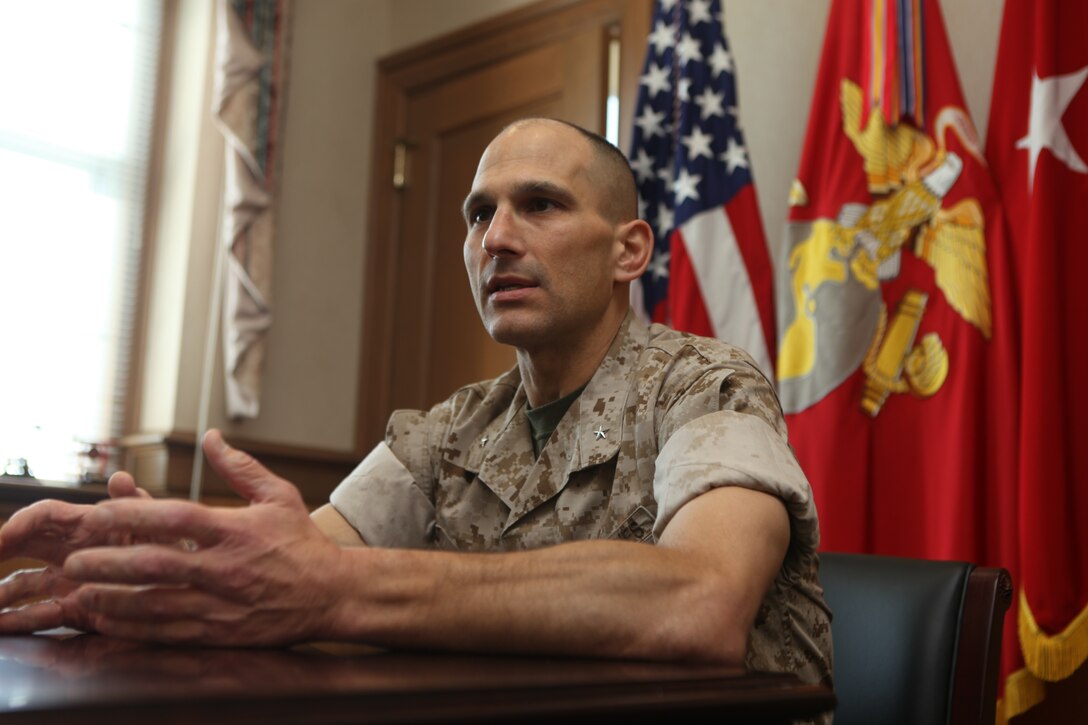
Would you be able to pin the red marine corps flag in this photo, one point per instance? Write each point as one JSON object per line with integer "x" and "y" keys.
{"x": 1038, "y": 148}
{"x": 711, "y": 270}
{"x": 897, "y": 349}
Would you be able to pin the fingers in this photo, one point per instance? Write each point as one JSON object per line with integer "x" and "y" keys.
{"x": 180, "y": 616}
{"x": 54, "y": 605}
{"x": 123, "y": 485}
{"x": 47, "y": 530}
{"x": 250, "y": 479}
{"x": 162, "y": 520}
{"x": 160, "y": 566}
{"x": 172, "y": 615}
{"x": 149, "y": 604}
{"x": 31, "y": 618}
{"x": 22, "y": 586}
{"x": 26, "y": 584}
{"x": 183, "y": 632}
{"x": 144, "y": 564}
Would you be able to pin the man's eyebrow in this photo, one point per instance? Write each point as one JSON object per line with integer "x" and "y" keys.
{"x": 471, "y": 201}
{"x": 531, "y": 187}
{"x": 543, "y": 188}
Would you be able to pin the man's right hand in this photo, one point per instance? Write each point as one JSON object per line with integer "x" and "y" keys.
{"x": 263, "y": 574}
{"x": 36, "y": 599}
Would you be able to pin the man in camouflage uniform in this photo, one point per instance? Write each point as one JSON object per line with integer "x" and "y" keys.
{"x": 606, "y": 437}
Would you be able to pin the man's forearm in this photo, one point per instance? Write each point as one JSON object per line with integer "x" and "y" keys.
{"x": 610, "y": 599}
{"x": 329, "y": 521}
{"x": 693, "y": 596}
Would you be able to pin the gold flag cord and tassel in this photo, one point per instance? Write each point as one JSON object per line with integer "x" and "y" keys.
{"x": 1047, "y": 658}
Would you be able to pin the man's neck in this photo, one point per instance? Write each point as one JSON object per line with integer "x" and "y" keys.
{"x": 550, "y": 372}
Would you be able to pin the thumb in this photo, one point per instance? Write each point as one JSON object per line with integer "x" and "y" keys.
{"x": 245, "y": 475}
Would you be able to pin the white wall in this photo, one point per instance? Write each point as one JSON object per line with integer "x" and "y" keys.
{"x": 310, "y": 387}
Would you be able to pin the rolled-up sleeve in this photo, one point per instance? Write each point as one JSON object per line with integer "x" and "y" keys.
{"x": 727, "y": 448}
{"x": 381, "y": 500}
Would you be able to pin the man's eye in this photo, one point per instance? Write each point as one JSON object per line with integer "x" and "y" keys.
{"x": 482, "y": 214}
{"x": 542, "y": 204}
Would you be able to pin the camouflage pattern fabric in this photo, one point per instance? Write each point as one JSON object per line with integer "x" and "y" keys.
{"x": 666, "y": 417}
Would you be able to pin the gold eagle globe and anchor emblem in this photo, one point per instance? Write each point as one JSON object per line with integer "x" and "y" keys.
{"x": 911, "y": 173}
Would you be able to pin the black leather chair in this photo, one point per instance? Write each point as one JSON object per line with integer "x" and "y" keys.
{"x": 916, "y": 641}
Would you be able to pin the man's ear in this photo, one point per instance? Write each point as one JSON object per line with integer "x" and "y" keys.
{"x": 635, "y": 246}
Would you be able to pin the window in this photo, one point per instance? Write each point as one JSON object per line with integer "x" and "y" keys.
{"x": 76, "y": 100}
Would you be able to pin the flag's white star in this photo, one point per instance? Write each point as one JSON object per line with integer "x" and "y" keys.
{"x": 699, "y": 12}
{"x": 643, "y": 166}
{"x": 710, "y": 103}
{"x": 650, "y": 122}
{"x": 720, "y": 60}
{"x": 1049, "y": 99}
{"x": 664, "y": 217}
{"x": 665, "y": 174}
{"x": 687, "y": 49}
{"x": 735, "y": 156}
{"x": 698, "y": 144}
{"x": 667, "y": 4}
{"x": 659, "y": 265}
{"x": 685, "y": 186}
{"x": 663, "y": 37}
{"x": 641, "y": 207}
{"x": 684, "y": 90}
{"x": 656, "y": 79}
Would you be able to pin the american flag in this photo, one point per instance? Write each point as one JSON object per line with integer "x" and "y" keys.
{"x": 711, "y": 271}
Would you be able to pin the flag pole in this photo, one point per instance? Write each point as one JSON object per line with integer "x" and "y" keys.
{"x": 211, "y": 337}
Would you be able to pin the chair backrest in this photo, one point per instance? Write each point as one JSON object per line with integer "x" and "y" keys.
{"x": 916, "y": 641}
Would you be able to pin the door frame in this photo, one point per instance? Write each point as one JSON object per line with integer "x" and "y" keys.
{"x": 401, "y": 74}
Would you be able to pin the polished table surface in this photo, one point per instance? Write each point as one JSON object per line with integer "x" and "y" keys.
{"x": 88, "y": 678}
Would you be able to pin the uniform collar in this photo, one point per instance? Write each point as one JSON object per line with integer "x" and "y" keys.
{"x": 588, "y": 435}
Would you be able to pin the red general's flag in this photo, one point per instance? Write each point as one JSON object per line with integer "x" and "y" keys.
{"x": 711, "y": 269}
{"x": 897, "y": 350}
{"x": 1038, "y": 148}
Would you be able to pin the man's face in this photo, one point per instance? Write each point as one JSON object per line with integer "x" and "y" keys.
{"x": 539, "y": 251}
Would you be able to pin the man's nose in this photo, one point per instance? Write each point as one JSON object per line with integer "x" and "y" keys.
{"x": 503, "y": 236}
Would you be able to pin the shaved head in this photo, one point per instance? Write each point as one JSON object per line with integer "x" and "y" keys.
{"x": 610, "y": 172}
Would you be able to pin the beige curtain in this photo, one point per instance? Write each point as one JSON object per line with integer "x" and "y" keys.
{"x": 251, "y": 63}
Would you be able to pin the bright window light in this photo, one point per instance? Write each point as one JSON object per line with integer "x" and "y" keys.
{"x": 76, "y": 101}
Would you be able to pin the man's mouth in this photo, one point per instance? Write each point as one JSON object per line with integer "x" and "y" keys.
{"x": 507, "y": 283}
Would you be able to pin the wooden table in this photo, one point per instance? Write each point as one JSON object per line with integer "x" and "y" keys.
{"x": 89, "y": 678}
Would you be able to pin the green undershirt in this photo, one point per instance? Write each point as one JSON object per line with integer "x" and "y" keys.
{"x": 543, "y": 420}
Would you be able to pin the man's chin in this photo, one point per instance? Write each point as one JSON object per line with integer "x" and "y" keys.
{"x": 520, "y": 334}
{"x": 511, "y": 337}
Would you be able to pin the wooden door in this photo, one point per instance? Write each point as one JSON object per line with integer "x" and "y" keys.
{"x": 442, "y": 103}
